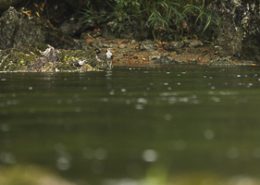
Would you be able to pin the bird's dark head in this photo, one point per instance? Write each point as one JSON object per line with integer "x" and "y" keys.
{"x": 97, "y": 50}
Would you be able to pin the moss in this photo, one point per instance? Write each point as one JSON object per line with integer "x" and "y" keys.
{"x": 31, "y": 59}
{"x": 14, "y": 59}
{"x": 65, "y": 66}
{"x": 69, "y": 59}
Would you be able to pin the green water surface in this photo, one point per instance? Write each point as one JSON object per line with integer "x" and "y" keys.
{"x": 123, "y": 124}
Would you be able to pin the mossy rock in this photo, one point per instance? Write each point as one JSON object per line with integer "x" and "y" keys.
{"x": 16, "y": 60}
{"x": 33, "y": 60}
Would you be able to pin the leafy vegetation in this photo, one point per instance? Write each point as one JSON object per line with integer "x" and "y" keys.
{"x": 153, "y": 18}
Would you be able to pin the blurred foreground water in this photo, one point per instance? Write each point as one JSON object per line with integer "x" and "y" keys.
{"x": 180, "y": 125}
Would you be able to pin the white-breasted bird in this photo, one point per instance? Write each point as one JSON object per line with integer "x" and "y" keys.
{"x": 104, "y": 58}
{"x": 109, "y": 57}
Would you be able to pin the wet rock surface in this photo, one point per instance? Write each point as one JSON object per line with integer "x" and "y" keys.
{"x": 5, "y": 4}
{"x": 147, "y": 45}
{"x": 173, "y": 45}
{"x": 20, "y": 30}
{"x": 240, "y": 28}
{"x": 16, "y": 30}
{"x": 251, "y": 48}
{"x": 228, "y": 61}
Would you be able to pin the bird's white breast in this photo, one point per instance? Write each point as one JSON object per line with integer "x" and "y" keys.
{"x": 109, "y": 54}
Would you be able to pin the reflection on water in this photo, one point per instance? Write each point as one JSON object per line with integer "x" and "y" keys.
{"x": 181, "y": 125}
{"x": 29, "y": 175}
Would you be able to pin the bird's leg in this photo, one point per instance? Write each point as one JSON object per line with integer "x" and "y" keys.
{"x": 109, "y": 64}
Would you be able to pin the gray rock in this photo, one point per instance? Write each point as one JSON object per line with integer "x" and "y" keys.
{"x": 147, "y": 45}
{"x": 173, "y": 46}
{"x": 17, "y": 30}
{"x": 240, "y": 26}
{"x": 162, "y": 59}
{"x": 5, "y": 4}
{"x": 195, "y": 43}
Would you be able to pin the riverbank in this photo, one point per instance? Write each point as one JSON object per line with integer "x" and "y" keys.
{"x": 30, "y": 43}
{"x": 189, "y": 51}
{"x": 126, "y": 53}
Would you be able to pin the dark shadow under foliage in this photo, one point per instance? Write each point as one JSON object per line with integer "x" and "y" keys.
{"x": 164, "y": 19}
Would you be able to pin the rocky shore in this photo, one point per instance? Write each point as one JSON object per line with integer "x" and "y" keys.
{"x": 29, "y": 43}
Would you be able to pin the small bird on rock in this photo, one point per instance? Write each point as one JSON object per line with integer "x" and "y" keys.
{"x": 109, "y": 57}
{"x": 51, "y": 54}
{"x": 105, "y": 59}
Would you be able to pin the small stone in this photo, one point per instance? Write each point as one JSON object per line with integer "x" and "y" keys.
{"x": 147, "y": 45}
{"x": 195, "y": 43}
{"x": 107, "y": 45}
{"x": 162, "y": 59}
{"x": 133, "y": 41}
{"x": 122, "y": 46}
{"x": 87, "y": 67}
{"x": 173, "y": 46}
{"x": 154, "y": 58}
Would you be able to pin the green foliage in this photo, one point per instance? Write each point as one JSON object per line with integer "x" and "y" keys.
{"x": 92, "y": 17}
{"x": 156, "y": 17}
{"x": 162, "y": 15}
{"x": 204, "y": 17}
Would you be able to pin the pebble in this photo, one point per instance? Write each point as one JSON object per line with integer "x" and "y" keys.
{"x": 173, "y": 46}
{"x": 195, "y": 43}
{"x": 147, "y": 45}
{"x": 122, "y": 46}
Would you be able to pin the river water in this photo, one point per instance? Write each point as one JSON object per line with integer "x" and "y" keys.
{"x": 134, "y": 126}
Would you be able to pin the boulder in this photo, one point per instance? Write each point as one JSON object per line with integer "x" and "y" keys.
{"x": 240, "y": 27}
{"x": 20, "y": 30}
{"x": 17, "y": 30}
{"x": 5, "y": 4}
